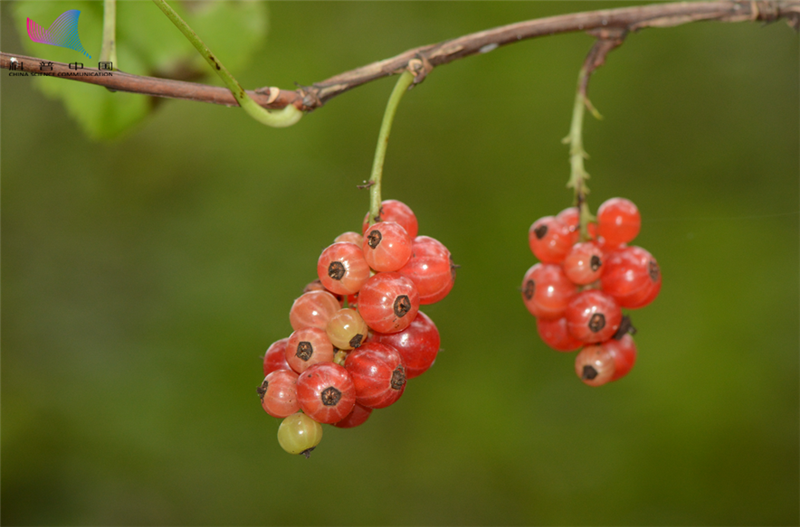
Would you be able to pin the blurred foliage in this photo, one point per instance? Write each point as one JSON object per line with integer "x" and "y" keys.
{"x": 147, "y": 44}
{"x": 143, "y": 279}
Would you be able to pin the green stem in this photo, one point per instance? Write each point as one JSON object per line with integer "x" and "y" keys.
{"x": 108, "y": 52}
{"x": 279, "y": 119}
{"x": 578, "y": 175}
{"x": 400, "y": 88}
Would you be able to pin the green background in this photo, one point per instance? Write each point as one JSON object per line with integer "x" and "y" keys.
{"x": 142, "y": 280}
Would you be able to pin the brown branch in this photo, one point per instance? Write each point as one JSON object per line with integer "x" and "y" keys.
{"x": 614, "y": 23}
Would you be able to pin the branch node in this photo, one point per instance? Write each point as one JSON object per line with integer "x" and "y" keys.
{"x": 420, "y": 67}
{"x": 366, "y": 184}
{"x": 309, "y": 96}
{"x": 608, "y": 38}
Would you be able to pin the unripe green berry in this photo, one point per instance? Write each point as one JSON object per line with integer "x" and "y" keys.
{"x": 299, "y": 434}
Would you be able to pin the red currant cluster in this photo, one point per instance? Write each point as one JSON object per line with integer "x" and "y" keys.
{"x": 358, "y": 332}
{"x": 577, "y": 292}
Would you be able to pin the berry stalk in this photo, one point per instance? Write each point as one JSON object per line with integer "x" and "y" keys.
{"x": 108, "y": 52}
{"x": 578, "y": 175}
{"x": 399, "y": 90}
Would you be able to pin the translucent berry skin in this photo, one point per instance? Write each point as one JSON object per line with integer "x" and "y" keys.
{"x": 388, "y": 302}
{"x": 299, "y": 433}
{"x": 342, "y": 268}
{"x": 378, "y": 374}
{"x": 357, "y": 416}
{"x": 306, "y": 347}
{"x": 275, "y": 357}
{"x": 431, "y": 269}
{"x": 398, "y": 212}
{"x": 387, "y": 246}
{"x": 555, "y": 334}
{"x": 571, "y": 218}
{"x": 279, "y": 393}
{"x": 418, "y": 344}
{"x": 583, "y": 263}
{"x": 313, "y": 310}
{"x": 594, "y": 365}
{"x": 350, "y": 236}
{"x": 623, "y": 352}
{"x": 346, "y": 329}
{"x": 326, "y": 392}
{"x": 632, "y": 276}
{"x": 618, "y": 221}
{"x": 547, "y": 291}
{"x": 593, "y": 316}
{"x": 549, "y": 239}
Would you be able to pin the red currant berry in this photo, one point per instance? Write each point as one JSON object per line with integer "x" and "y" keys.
{"x": 632, "y": 276}
{"x": 594, "y": 365}
{"x": 623, "y": 351}
{"x": 357, "y": 416}
{"x": 550, "y": 239}
{"x": 326, "y": 392}
{"x": 387, "y": 246}
{"x": 378, "y": 374}
{"x": 547, "y": 291}
{"x": 593, "y": 316}
{"x": 555, "y": 334}
{"x": 342, "y": 269}
{"x": 618, "y": 221}
{"x": 307, "y": 347}
{"x": 388, "y": 302}
{"x": 275, "y": 358}
{"x": 431, "y": 269}
{"x": 352, "y": 237}
{"x": 346, "y": 329}
{"x": 584, "y": 263}
{"x": 418, "y": 344}
{"x": 398, "y": 212}
{"x": 313, "y": 310}
{"x": 314, "y": 285}
{"x": 278, "y": 393}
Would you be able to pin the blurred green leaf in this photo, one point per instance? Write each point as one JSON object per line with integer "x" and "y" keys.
{"x": 147, "y": 44}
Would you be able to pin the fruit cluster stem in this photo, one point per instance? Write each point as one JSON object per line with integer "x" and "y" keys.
{"x": 399, "y": 90}
{"x": 278, "y": 119}
{"x": 578, "y": 175}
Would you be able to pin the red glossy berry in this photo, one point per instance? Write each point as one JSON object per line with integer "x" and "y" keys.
{"x": 547, "y": 291}
{"x": 623, "y": 351}
{"x": 278, "y": 393}
{"x": 388, "y": 302}
{"x": 350, "y": 236}
{"x": 326, "y": 393}
{"x": 431, "y": 269}
{"x": 571, "y": 218}
{"x": 550, "y": 239}
{"x": 307, "y": 347}
{"x": 594, "y": 365}
{"x": 398, "y": 212}
{"x": 418, "y": 344}
{"x": 378, "y": 374}
{"x": 357, "y": 416}
{"x": 342, "y": 268}
{"x": 593, "y": 316}
{"x": 275, "y": 357}
{"x": 584, "y": 263}
{"x": 618, "y": 221}
{"x": 632, "y": 276}
{"x": 555, "y": 334}
{"x": 387, "y": 246}
{"x": 313, "y": 310}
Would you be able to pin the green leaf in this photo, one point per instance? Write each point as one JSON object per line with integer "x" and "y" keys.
{"x": 147, "y": 44}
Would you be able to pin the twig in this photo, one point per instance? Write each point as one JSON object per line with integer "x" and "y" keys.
{"x": 310, "y": 98}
